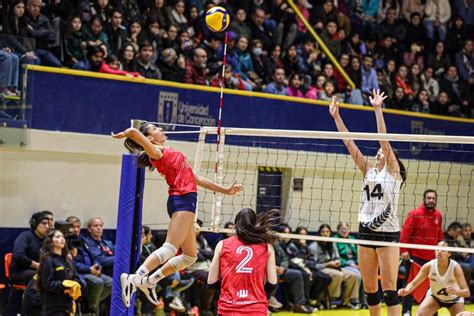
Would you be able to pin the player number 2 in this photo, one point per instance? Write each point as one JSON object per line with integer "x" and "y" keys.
{"x": 376, "y": 192}
{"x": 241, "y": 268}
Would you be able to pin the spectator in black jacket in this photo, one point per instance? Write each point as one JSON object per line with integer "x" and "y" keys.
{"x": 27, "y": 248}
{"x": 171, "y": 66}
{"x": 116, "y": 32}
{"x": 54, "y": 268}
{"x": 39, "y": 28}
{"x": 144, "y": 65}
{"x": 99, "y": 285}
{"x": 260, "y": 31}
{"x": 291, "y": 277}
{"x": 393, "y": 28}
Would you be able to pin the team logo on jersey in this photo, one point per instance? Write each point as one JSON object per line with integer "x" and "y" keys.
{"x": 242, "y": 293}
{"x": 168, "y": 109}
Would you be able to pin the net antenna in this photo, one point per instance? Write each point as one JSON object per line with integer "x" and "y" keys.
{"x": 330, "y": 183}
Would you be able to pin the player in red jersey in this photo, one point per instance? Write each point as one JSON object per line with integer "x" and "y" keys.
{"x": 242, "y": 263}
{"x": 149, "y": 141}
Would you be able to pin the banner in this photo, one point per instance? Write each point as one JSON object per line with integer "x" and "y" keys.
{"x": 88, "y": 103}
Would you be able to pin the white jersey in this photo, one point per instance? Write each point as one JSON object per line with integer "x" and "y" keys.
{"x": 379, "y": 201}
{"x": 438, "y": 283}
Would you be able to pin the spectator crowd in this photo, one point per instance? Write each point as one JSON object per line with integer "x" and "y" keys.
{"x": 67, "y": 270}
{"x": 420, "y": 52}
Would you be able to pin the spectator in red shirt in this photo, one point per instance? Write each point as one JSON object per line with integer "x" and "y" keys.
{"x": 112, "y": 66}
{"x": 423, "y": 225}
{"x": 196, "y": 69}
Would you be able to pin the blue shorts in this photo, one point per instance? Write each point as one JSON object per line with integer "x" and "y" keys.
{"x": 186, "y": 202}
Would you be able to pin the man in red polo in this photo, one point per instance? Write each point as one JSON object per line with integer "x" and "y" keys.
{"x": 423, "y": 225}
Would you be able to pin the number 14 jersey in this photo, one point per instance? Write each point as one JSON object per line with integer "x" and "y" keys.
{"x": 379, "y": 201}
{"x": 243, "y": 271}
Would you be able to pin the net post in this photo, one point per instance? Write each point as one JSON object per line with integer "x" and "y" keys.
{"x": 128, "y": 236}
{"x": 216, "y": 215}
{"x": 198, "y": 162}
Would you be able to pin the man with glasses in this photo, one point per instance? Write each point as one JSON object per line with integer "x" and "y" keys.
{"x": 196, "y": 69}
{"x": 27, "y": 248}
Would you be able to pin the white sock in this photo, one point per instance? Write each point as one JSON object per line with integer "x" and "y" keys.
{"x": 142, "y": 271}
{"x": 154, "y": 278}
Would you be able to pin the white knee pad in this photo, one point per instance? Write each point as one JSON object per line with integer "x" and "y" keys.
{"x": 165, "y": 252}
{"x": 180, "y": 262}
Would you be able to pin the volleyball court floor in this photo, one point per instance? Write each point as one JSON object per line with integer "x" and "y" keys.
{"x": 363, "y": 312}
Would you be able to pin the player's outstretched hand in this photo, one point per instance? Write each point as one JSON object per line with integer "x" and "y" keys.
{"x": 123, "y": 134}
{"x": 377, "y": 98}
{"x": 403, "y": 292}
{"x": 234, "y": 189}
{"x": 334, "y": 107}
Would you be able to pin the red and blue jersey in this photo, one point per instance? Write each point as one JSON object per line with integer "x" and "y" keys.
{"x": 243, "y": 271}
{"x": 177, "y": 171}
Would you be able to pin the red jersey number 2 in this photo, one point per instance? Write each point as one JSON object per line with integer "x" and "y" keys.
{"x": 241, "y": 268}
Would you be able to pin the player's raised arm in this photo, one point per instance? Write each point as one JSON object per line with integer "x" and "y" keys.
{"x": 377, "y": 100}
{"x": 209, "y": 185}
{"x": 142, "y": 141}
{"x": 360, "y": 160}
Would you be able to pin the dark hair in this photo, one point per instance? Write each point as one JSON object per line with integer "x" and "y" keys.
{"x": 111, "y": 59}
{"x": 454, "y": 225}
{"x": 47, "y": 212}
{"x": 97, "y": 18}
{"x": 145, "y": 44}
{"x": 146, "y": 229}
{"x": 429, "y": 191}
{"x": 325, "y": 245}
{"x": 403, "y": 169}
{"x": 92, "y": 50}
{"x": 280, "y": 228}
{"x": 47, "y": 251}
{"x": 253, "y": 228}
{"x": 134, "y": 148}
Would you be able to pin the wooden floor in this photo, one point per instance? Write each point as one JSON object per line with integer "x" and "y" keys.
{"x": 364, "y": 312}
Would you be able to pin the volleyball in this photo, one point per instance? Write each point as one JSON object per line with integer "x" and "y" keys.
{"x": 217, "y": 19}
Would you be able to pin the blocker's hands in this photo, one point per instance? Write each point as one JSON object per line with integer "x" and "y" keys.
{"x": 334, "y": 107}
{"x": 377, "y": 98}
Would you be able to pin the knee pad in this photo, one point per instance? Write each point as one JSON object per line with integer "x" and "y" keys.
{"x": 373, "y": 298}
{"x": 180, "y": 262}
{"x": 165, "y": 252}
{"x": 391, "y": 298}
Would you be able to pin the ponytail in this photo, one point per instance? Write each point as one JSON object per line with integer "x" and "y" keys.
{"x": 134, "y": 148}
{"x": 251, "y": 228}
{"x": 403, "y": 169}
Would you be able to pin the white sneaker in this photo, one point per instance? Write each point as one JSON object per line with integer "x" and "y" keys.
{"x": 127, "y": 288}
{"x": 150, "y": 292}
{"x": 273, "y": 302}
{"x": 177, "y": 305}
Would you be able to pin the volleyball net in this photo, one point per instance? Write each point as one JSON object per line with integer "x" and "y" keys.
{"x": 312, "y": 179}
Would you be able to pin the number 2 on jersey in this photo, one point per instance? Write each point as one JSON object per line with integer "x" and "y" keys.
{"x": 241, "y": 268}
{"x": 376, "y": 192}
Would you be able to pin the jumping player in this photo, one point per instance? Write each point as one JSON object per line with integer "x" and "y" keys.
{"x": 377, "y": 212}
{"x": 448, "y": 287}
{"x": 242, "y": 263}
{"x": 149, "y": 141}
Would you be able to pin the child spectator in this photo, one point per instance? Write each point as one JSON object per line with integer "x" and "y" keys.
{"x": 112, "y": 66}
{"x": 294, "y": 85}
